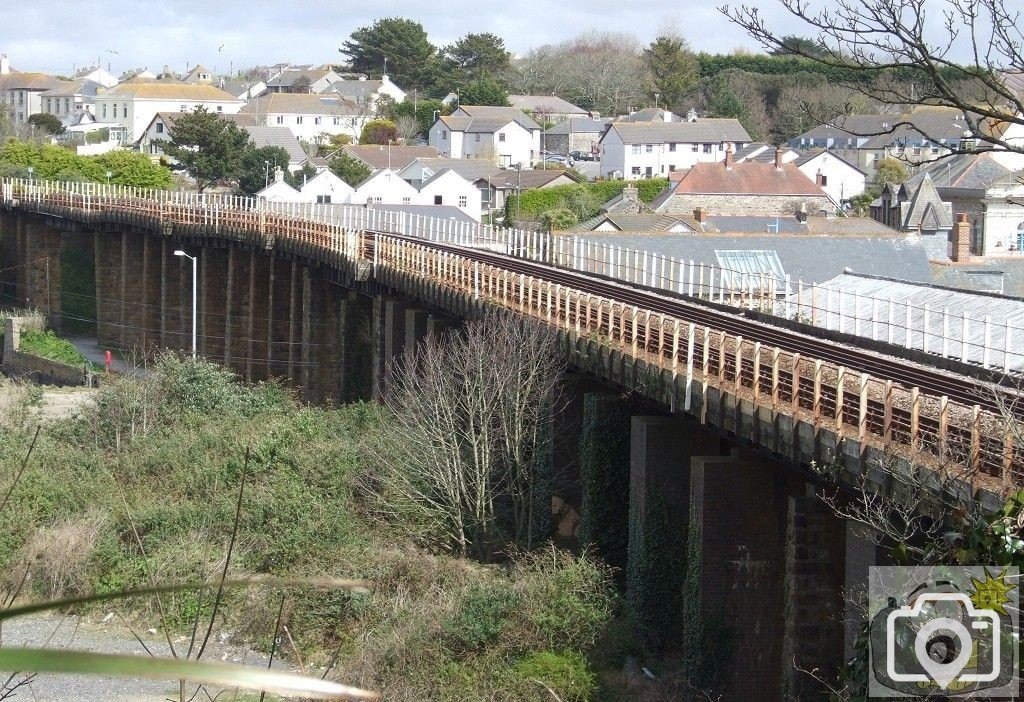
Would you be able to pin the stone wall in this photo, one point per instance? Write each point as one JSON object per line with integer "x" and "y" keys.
{"x": 746, "y": 205}
{"x": 41, "y": 370}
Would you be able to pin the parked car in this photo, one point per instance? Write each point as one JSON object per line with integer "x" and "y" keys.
{"x": 558, "y": 159}
{"x": 582, "y": 156}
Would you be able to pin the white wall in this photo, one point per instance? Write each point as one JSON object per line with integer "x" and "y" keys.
{"x": 454, "y": 191}
{"x": 328, "y": 184}
{"x": 843, "y": 181}
{"x": 306, "y": 126}
{"x": 634, "y": 160}
{"x": 520, "y": 145}
{"x": 140, "y": 111}
{"x": 389, "y": 187}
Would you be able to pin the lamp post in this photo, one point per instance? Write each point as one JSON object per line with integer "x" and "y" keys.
{"x": 195, "y": 270}
{"x": 31, "y": 170}
{"x": 266, "y": 174}
{"x": 109, "y": 173}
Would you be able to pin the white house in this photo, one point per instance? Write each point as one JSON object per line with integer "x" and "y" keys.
{"x": 367, "y": 93}
{"x": 550, "y": 108}
{"x": 310, "y": 117}
{"x": 161, "y": 128}
{"x": 97, "y": 75}
{"x": 503, "y": 135}
{"x": 135, "y": 103}
{"x": 385, "y": 187}
{"x": 655, "y": 149}
{"x": 835, "y": 175}
{"x": 449, "y": 188}
{"x": 22, "y": 92}
{"x": 302, "y": 80}
{"x": 71, "y": 99}
{"x": 280, "y": 191}
{"x": 327, "y": 188}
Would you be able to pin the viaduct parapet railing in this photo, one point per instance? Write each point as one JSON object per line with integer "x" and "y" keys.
{"x": 982, "y": 340}
{"x": 525, "y": 272}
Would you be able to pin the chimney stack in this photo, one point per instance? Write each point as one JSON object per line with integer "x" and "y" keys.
{"x": 5, "y": 65}
{"x": 961, "y": 239}
{"x": 778, "y": 158}
{"x": 698, "y": 214}
{"x": 819, "y": 179}
{"x": 278, "y": 174}
{"x": 728, "y": 157}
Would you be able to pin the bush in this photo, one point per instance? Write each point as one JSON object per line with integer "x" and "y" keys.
{"x": 585, "y": 199}
{"x": 558, "y": 218}
{"x": 567, "y": 673}
{"x": 46, "y": 344}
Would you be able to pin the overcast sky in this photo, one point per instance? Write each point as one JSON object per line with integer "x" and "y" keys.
{"x": 54, "y": 35}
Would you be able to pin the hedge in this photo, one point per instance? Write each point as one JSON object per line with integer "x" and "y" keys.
{"x": 533, "y": 203}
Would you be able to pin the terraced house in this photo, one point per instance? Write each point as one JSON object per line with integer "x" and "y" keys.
{"x": 636, "y": 150}
{"x": 135, "y": 103}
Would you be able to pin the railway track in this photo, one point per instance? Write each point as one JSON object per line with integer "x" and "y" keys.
{"x": 937, "y": 382}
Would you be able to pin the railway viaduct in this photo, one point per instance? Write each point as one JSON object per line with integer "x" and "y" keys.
{"x": 690, "y": 435}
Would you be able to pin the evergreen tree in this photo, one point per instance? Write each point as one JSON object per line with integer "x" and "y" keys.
{"x": 400, "y": 43}
{"x": 209, "y": 148}
{"x": 674, "y": 69}
{"x": 349, "y": 169}
{"x": 483, "y": 91}
{"x": 477, "y": 56}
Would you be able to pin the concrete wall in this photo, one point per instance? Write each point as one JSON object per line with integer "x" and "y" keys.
{"x": 41, "y": 370}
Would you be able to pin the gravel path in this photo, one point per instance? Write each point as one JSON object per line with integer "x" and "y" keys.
{"x": 112, "y": 636}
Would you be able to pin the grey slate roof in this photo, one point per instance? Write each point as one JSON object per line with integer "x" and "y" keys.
{"x": 472, "y": 169}
{"x": 547, "y": 104}
{"x": 976, "y": 171}
{"x": 579, "y": 125}
{"x": 811, "y": 258}
{"x": 627, "y": 222}
{"x": 860, "y": 290}
{"x": 356, "y": 90}
{"x": 815, "y": 153}
{"x": 508, "y": 114}
{"x": 281, "y": 137}
{"x": 648, "y": 114}
{"x": 708, "y": 130}
{"x": 473, "y": 125}
{"x": 439, "y": 211}
{"x": 529, "y": 178}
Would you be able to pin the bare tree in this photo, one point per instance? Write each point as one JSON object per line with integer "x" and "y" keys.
{"x": 888, "y": 45}
{"x": 408, "y": 128}
{"x": 465, "y": 453}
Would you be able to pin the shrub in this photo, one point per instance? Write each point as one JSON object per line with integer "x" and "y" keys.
{"x": 46, "y": 344}
{"x": 566, "y": 672}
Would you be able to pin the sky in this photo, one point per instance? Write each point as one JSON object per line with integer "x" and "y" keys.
{"x": 56, "y": 35}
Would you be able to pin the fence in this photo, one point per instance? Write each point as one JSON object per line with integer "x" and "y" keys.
{"x": 987, "y": 341}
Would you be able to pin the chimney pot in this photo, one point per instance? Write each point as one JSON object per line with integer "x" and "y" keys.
{"x": 778, "y": 158}
{"x": 728, "y": 157}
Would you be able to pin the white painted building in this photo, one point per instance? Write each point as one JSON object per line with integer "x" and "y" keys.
{"x": 70, "y": 100}
{"x": 310, "y": 117}
{"x": 449, "y": 188}
{"x": 636, "y": 150}
{"x": 367, "y": 93}
{"x": 327, "y": 188}
{"x": 22, "y": 92}
{"x": 502, "y": 135}
{"x": 134, "y": 104}
{"x": 96, "y": 75}
{"x": 835, "y": 175}
{"x": 385, "y": 187}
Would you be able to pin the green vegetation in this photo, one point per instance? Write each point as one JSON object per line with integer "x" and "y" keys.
{"x": 582, "y": 199}
{"x": 209, "y": 148}
{"x": 145, "y": 486}
{"x": 378, "y": 131}
{"x": 46, "y": 344}
{"x": 78, "y": 284}
{"x": 349, "y": 169}
{"x": 46, "y": 123}
{"x": 57, "y": 163}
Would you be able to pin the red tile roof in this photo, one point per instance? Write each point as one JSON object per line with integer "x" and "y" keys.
{"x": 746, "y": 179}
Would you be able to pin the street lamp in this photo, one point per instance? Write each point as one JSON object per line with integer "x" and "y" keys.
{"x": 266, "y": 174}
{"x": 109, "y": 173}
{"x": 195, "y": 262}
{"x": 31, "y": 170}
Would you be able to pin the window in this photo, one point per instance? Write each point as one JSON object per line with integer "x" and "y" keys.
{"x": 115, "y": 110}
{"x": 104, "y": 110}
{"x": 67, "y": 106}
{"x": 672, "y": 146}
{"x": 444, "y": 134}
{"x": 671, "y": 168}
{"x": 824, "y": 180}
{"x": 707, "y": 148}
{"x": 501, "y": 136}
{"x": 695, "y": 148}
{"x": 337, "y": 121}
{"x": 159, "y": 127}
{"x": 378, "y": 199}
{"x": 298, "y": 120}
{"x": 21, "y": 97}
{"x": 323, "y": 199}
{"x": 405, "y": 200}
{"x": 49, "y": 107}
{"x": 280, "y": 119}
{"x": 650, "y": 148}
{"x": 648, "y": 171}
{"x": 316, "y": 120}
{"x": 220, "y": 108}
{"x": 636, "y": 170}
{"x": 182, "y": 108}
{"x": 437, "y": 200}
{"x": 478, "y": 137}
{"x": 636, "y": 149}
{"x": 463, "y": 201}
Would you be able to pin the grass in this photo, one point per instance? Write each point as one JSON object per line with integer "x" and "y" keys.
{"x": 46, "y": 344}
{"x": 162, "y": 457}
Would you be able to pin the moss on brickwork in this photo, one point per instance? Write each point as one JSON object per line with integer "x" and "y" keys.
{"x": 604, "y": 477}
